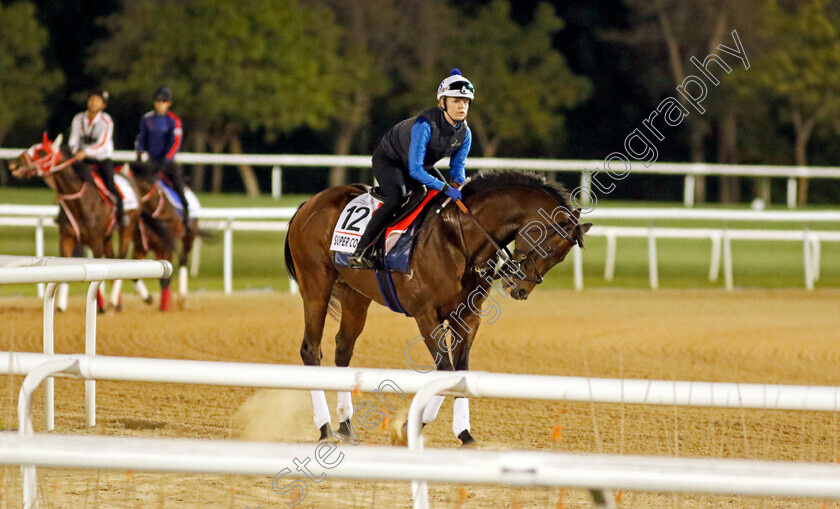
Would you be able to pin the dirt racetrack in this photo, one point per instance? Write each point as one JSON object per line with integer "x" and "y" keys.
{"x": 786, "y": 336}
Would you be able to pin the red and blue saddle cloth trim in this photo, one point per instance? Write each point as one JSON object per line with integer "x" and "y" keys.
{"x": 398, "y": 258}
{"x": 174, "y": 199}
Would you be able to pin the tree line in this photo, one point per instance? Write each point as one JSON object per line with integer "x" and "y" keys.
{"x": 252, "y": 72}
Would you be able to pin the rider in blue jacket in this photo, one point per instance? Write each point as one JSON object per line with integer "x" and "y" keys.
{"x": 160, "y": 136}
{"x": 411, "y": 148}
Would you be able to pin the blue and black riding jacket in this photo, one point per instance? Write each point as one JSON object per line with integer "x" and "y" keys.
{"x": 417, "y": 143}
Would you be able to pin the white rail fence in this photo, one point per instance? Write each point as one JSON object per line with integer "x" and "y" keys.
{"x": 53, "y": 270}
{"x": 521, "y": 468}
{"x": 513, "y": 468}
{"x": 585, "y": 168}
{"x": 276, "y": 219}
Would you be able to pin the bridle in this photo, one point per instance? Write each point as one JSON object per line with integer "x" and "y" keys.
{"x": 49, "y": 162}
{"x": 513, "y": 265}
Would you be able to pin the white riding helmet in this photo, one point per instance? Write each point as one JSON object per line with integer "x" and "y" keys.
{"x": 456, "y": 85}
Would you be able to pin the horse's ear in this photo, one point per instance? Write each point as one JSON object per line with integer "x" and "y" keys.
{"x": 46, "y": 139}
{"x": 576, "y": 214}
{"x": 585, "y": 227}
{"x": 56, "y": 145}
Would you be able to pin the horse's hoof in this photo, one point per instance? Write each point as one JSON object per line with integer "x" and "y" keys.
{"x": 101, "y": 311}
{"x": 149, "y": 300}
{"x": 118, "y": 308}
{"x": 344, "y": 428}
{"x": 325, "y": 432}
{"x": 466, "y": 439}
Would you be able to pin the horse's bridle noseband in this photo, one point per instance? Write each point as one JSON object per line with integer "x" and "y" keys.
{"x": 513, "y": 265}
{"x": 47, "y": 164}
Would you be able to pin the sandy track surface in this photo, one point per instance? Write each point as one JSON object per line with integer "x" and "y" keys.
{"x": 787, "y": 336}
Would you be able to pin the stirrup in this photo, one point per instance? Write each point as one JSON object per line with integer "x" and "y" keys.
{"x": 360, "y": 260}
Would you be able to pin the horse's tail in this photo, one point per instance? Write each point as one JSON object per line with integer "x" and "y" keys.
{"x": 290, "y": 264}
{"x": 159, "y": 229}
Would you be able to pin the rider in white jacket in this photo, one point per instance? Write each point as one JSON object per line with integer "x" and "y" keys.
{"x": 92, "y": 140}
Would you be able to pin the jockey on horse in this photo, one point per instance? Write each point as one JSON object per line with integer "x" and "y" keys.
{"x": 411, "y": 148}
{"x": 92, "y": 140}
{"x": 160, "y": 136}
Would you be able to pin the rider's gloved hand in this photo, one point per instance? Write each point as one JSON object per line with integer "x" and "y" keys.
{"x": 451, "y": 192}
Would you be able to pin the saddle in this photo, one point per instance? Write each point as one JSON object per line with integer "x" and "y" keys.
{"x": 412, "y": 198}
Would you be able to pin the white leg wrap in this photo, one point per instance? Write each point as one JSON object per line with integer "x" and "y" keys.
{"x": 115, "y": 292}
{"x": 320, "y": 410}
{"x": 344, "y": 406}
{"x": 431, "y": 410}
{"x": 182, "y": 281}
{"x": 63, "y": 291}
{"x": 142, "y": 291}
{"x": 460, "y": 415}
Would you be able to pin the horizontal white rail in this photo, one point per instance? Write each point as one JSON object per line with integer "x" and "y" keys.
{"x": 600, "y": 213}
{"x": 712, "y": 215}
{"x": 275, "y": 219}
{"x": 364, "y": 161}
{"x": 477, "y": 383}
{"x": 22, "y": 270}
{"x": 514, "y": 468}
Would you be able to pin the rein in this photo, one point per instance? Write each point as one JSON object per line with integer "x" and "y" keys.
{"x": 74, "y": 196}
{"x": 512, "y": 265}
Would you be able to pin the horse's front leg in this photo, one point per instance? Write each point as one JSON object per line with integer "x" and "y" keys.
{"x": 463, "y": 333}
{"x": 433, "y": 334}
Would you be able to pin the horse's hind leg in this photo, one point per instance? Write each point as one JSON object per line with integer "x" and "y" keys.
{"x": 183, "y": 256}
{"x": 354, "y": 308}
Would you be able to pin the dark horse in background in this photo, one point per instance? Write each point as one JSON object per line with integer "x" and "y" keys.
{"x": 86, "y": 215}
{"x": 161, "y": 230}
{"x": 449, "y": 273}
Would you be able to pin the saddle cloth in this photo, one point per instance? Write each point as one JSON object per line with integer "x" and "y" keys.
{"x": 172, "y": 196}
{"x": 130, "y": 201}
{"x": 398, "y": 239}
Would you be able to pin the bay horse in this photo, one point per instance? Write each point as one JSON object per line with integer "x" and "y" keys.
{"x": 161, "y": 229}
{"x": 86, "y": 216}
{"x": 452, "y": 273}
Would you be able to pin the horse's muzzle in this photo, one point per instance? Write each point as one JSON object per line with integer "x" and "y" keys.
{"x": 519, "y": 294}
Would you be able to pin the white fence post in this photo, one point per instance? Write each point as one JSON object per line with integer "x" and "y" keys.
{"x": 714, "y": 265}
{"x": 30, "y": 383}
{"x": 39, "y": 247}
{"x": 688, "y": 190}
{"x": 815, "y": 257}
{"x": 586, "y": 187}
{"x": 609, "y": 266}
{"x": 653, "y": 268}
{"x": 196, "y": 257}
{"x": 808, "y": 263}
{"x": 791, "y": 192}
{"x": 276, "y": 182}
{"x": 228, "y": 257}
{"x": 49, "y": 349}
{"x": 90, "y": 349}
{"x": 578, "y": 266}
{"x": 727, "y": 261}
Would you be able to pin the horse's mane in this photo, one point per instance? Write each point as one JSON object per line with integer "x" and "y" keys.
{"x": 80, "y": 169}
{"x": 487, "y": 180}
